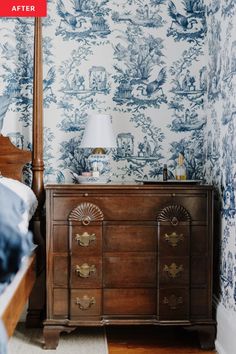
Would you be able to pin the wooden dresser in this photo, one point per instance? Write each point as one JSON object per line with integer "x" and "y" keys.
{"x": 129, "y": 254}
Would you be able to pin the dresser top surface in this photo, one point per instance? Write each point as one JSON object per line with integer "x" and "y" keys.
{"x": 130, "y": 186}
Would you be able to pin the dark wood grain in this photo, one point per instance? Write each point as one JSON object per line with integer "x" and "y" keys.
{"x": 18, "y": 298}
{"x": 52, "y": 333}
{"x": 36, "y": 308}
{"x": 153, "y": 340}
{"x": 12, "y": 159}
{"x": 148, "y": 268}
{"x": 129, "y": 270}
{"x": 125, "y": 238}
{"x": 128, "y": 302}
{"x": 37, "y": 160}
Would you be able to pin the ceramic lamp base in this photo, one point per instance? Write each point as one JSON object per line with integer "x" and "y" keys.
{"x": 100, "y": 163}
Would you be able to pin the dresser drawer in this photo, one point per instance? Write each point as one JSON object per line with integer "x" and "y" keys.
{"x": 86, "y": 272}
{"x": 127, "y": 270}
{"x": 86, "y": 302}
{"x": 86, "y": 240}
{"x": 131, "y": 207}
{"x": 174, "y": 270}
{"x": 174, "y": 240}
{"x": 174, "y": 304}
{"x": 129, "y": 302}
{"x": 112, "y": 206}
{"x": 122, "y": 238}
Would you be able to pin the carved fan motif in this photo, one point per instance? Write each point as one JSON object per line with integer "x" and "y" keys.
{"x": 174, "y": 214}
{"x": 86, "y": 212}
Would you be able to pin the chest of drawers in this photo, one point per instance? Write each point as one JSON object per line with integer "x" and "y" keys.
{"x": 129, "y": 254}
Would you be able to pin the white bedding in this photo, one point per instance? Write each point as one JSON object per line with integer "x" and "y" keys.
{"x": 27, "y": 195}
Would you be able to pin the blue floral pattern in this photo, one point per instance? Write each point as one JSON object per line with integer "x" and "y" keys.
{"x": 107, "y": 56}
{"x": 220, "y": 166}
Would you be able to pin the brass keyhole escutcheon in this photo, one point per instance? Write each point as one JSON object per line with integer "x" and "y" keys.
{"x": 86, "y": 221}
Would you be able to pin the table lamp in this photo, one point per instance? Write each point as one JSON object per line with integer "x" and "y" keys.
{"x": 99, "y": 136}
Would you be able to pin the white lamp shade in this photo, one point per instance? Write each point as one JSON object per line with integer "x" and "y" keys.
{"x": 98, "y": 132}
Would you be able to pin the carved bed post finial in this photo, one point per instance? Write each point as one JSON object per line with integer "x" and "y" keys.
{"x": 37, "y": 160}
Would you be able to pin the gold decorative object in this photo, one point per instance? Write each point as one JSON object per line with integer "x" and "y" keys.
{"x": 85, "y": 270}
{"x": 173, "y": 270}
{"x": 174, "y": 238}
{"x": 173, "y": 301}
{"x": 85, "y": 303}
{"x": 174, "y": 214}
{"x": 85, "y": 239}
{"x": 86, "y": 213}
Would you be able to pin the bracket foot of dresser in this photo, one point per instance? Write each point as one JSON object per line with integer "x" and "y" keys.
{"x": 51, "y": 335}
{"x": 206, "y": 335}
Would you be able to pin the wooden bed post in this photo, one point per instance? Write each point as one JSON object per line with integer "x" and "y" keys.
{"x": 37, "y": 154}
{"x": 37, "y": 298}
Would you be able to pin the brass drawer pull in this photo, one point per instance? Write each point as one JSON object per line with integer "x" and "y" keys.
{"x": 85, "y": 239}
{"x": 173, "y": 301}
{"x": 173, "y": 270}
{"x": 85, "y": 270}
{"x": 85, "y": 303}
{"x": 174, "y": 238}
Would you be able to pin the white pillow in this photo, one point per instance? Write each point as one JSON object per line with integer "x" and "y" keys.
{"x": 27, "y": 195}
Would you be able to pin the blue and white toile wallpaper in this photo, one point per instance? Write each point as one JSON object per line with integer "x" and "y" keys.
{"x": 142, "y": 61}
{"x": 220, "y": 167}
{"x": 145, "y": 62}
